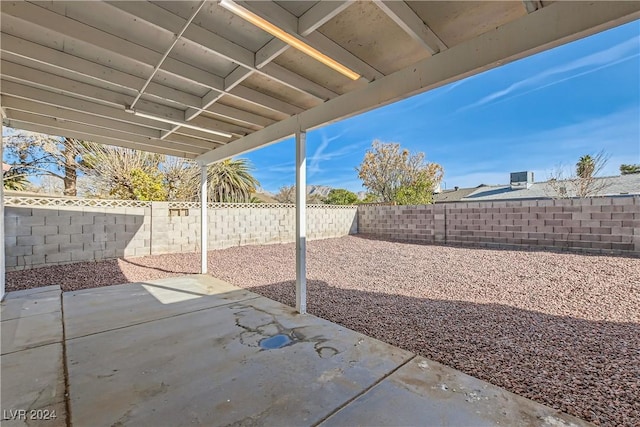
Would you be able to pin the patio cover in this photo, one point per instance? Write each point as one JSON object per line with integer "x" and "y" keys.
{"x": 198, "y": 79}
{"x": 73, "y": 68}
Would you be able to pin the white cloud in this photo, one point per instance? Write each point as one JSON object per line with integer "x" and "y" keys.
{"x": 584, "y": 73}
{"x": 314, "y": 161}
{"x": 280, "y": 168}
{"x": 277, "y": 175}
{"x": 322, "y": 155}
{"x": 601, "y": 59}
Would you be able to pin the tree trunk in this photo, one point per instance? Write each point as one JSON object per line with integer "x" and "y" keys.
{"x": 70, "y": 169}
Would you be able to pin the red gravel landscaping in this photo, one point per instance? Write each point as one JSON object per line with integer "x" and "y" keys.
{"x": 560, "y": 328}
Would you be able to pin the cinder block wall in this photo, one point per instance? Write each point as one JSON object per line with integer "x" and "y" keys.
{"x": 420, "y": 224}
{"x": 39, "y": 235}
{"x": 36, "y": 236}
{"x": 607, "y": 225}
{"x": 250, "y": 225}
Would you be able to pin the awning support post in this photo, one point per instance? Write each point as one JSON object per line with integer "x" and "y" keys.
{"x": 301, "y": 222}
{"x": 203, "y": 218}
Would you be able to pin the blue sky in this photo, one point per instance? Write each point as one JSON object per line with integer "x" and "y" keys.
{"x": 534, "y": 114}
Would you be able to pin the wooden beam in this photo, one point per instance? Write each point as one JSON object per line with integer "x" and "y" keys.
{"x": 34, "y": 126}
{"x": 77, "y": 30}
{"x": 67, "y": 62}
{"x": 311, "y": 20}
{"x": 532, "y": 5}
{"x": 412, "y": 24}
{"x": 46, "y": 97}
{"x": 200, "y": 36}
{"x": 17, "y": 104}
{"x": 33, "y": 77}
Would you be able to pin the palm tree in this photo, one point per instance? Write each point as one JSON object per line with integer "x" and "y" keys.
{"x": 231, "y": 181}
{"x": 585, "y": 167}
{"x": 629, "y": 169}
{"x": 14, "y": 179}
{"x": 586, "y": 182}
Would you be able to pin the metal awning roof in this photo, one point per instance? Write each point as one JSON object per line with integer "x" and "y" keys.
{"x": 195, "y": 79}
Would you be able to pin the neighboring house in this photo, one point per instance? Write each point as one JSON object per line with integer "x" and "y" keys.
{"x": 455, "y": 195}
{"x": 522, "y": 187}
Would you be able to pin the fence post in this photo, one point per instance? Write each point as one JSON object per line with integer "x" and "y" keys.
{"x": 439, "y": 222}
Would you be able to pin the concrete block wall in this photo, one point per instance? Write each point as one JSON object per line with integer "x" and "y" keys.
{"x": 237, "y": 226}
{"x": 594, "y": 225}
{"x": 602, "y": 225}
{"x": 37, "y": 236}
{"x": 40, "y": 235}
{"x": 420, "y": 224}
{"x": 250, "y": 226}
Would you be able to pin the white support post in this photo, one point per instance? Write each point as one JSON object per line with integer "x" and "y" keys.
{"x": 301, "y": 222}
{"x": 203, "y": 218}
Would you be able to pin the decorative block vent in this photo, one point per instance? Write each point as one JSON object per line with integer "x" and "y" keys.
{"x": 54, "y": 201}
{"x": 178, "y": 212}
{"x": 196, "y": 205}
{"x": 105, "y": 203}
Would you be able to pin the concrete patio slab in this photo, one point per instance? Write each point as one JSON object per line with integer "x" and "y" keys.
{"x": 30, "y": 302}
{"x": 31, "y": 319}
{"x": 210, "y": 367}
{"x": 96, "y": 310}
{"x": 33, "y": 382}
{"x": 32, "y": 331}
{"x": 424, "y": 392}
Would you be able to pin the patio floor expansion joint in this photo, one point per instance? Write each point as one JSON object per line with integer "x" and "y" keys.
{"x": 365, "y": 391}
{"x": 34, "y": 346}
{"x": 65, "y": 364}
{"x": 159, "y": 318}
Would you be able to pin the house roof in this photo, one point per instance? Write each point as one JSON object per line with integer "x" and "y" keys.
{"x": 456, "y": 195}
{"x": 605, "y": 186}
{"x": 162, "y": 76}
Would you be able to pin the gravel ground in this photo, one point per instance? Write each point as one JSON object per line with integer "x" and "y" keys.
{"x": 562, "y": 329}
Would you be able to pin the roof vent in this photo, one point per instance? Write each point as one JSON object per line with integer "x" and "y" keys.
{"x": 521, "y": 180}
